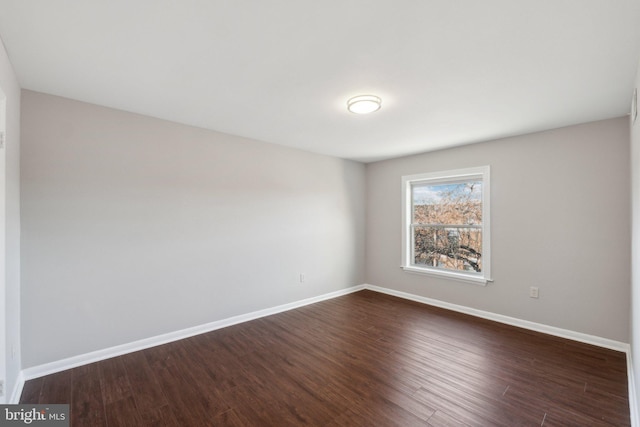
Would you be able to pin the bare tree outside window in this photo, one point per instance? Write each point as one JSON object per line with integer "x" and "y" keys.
{"x": 447, "y": 225}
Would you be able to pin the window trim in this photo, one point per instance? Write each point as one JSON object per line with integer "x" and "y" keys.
{"x": 482, "y": 172}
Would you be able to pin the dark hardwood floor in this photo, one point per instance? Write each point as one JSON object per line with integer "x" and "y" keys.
{"x": 365, "y": 359}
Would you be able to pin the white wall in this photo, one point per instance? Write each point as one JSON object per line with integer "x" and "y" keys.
{"x": 10, "y": 224}
{"x": 135, "y": 227}
{"x": 560, "y": 221}
{"x": 635, "y": 251}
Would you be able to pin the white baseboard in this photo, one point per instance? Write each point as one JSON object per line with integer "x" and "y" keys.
{"x": 538, "y": 327}
{"x": 96, "y": 356}
{"x": 17, "y": 389}
{"x": 633, "y": 396}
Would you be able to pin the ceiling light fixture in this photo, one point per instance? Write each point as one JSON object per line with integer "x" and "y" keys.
{"x": 364, "y": 104}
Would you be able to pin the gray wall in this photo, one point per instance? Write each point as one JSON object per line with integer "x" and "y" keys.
{"x": 10, "y": 323}
{"x": 635, "y": 250}
{"x": 560, "y": 221}
{"x": 134, "y": 227}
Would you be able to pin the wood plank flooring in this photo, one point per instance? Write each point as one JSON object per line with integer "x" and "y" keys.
{"x": 365, "y": 359}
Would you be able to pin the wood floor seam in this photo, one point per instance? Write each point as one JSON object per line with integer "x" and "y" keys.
{"x": 362, "y": 359}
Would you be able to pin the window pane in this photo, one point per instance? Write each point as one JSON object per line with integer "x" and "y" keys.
{"x": 445, "y": 216}
{"x": 453, "y": 248}
{"x": 451, "y": 203}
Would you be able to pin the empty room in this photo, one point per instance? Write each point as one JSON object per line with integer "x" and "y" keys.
{"x": 409, "y": 213}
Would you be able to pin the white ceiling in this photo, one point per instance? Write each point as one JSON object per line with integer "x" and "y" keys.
{"x": 449, "y": 72}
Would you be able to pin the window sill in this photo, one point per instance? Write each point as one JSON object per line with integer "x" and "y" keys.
{"x": 460, "y": 277}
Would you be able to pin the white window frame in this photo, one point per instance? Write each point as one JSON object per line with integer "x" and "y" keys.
{"x": 481, "y": 172}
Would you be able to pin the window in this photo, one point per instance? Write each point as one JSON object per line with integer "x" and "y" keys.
{"x": 446, "y": 224}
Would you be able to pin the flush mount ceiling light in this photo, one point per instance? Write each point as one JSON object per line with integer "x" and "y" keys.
{"x": 364, "y": 104}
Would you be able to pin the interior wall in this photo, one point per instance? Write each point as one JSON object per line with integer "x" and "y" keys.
{"x": 135, "y": 227}
{"x": 560, "y": 221}
{"x": 10, "y": 219}
{"x": 635, "y": 250}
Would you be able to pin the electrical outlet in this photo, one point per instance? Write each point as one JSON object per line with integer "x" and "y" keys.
{"x": 301, "y": 277}
{"x": 533, "y": 292}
